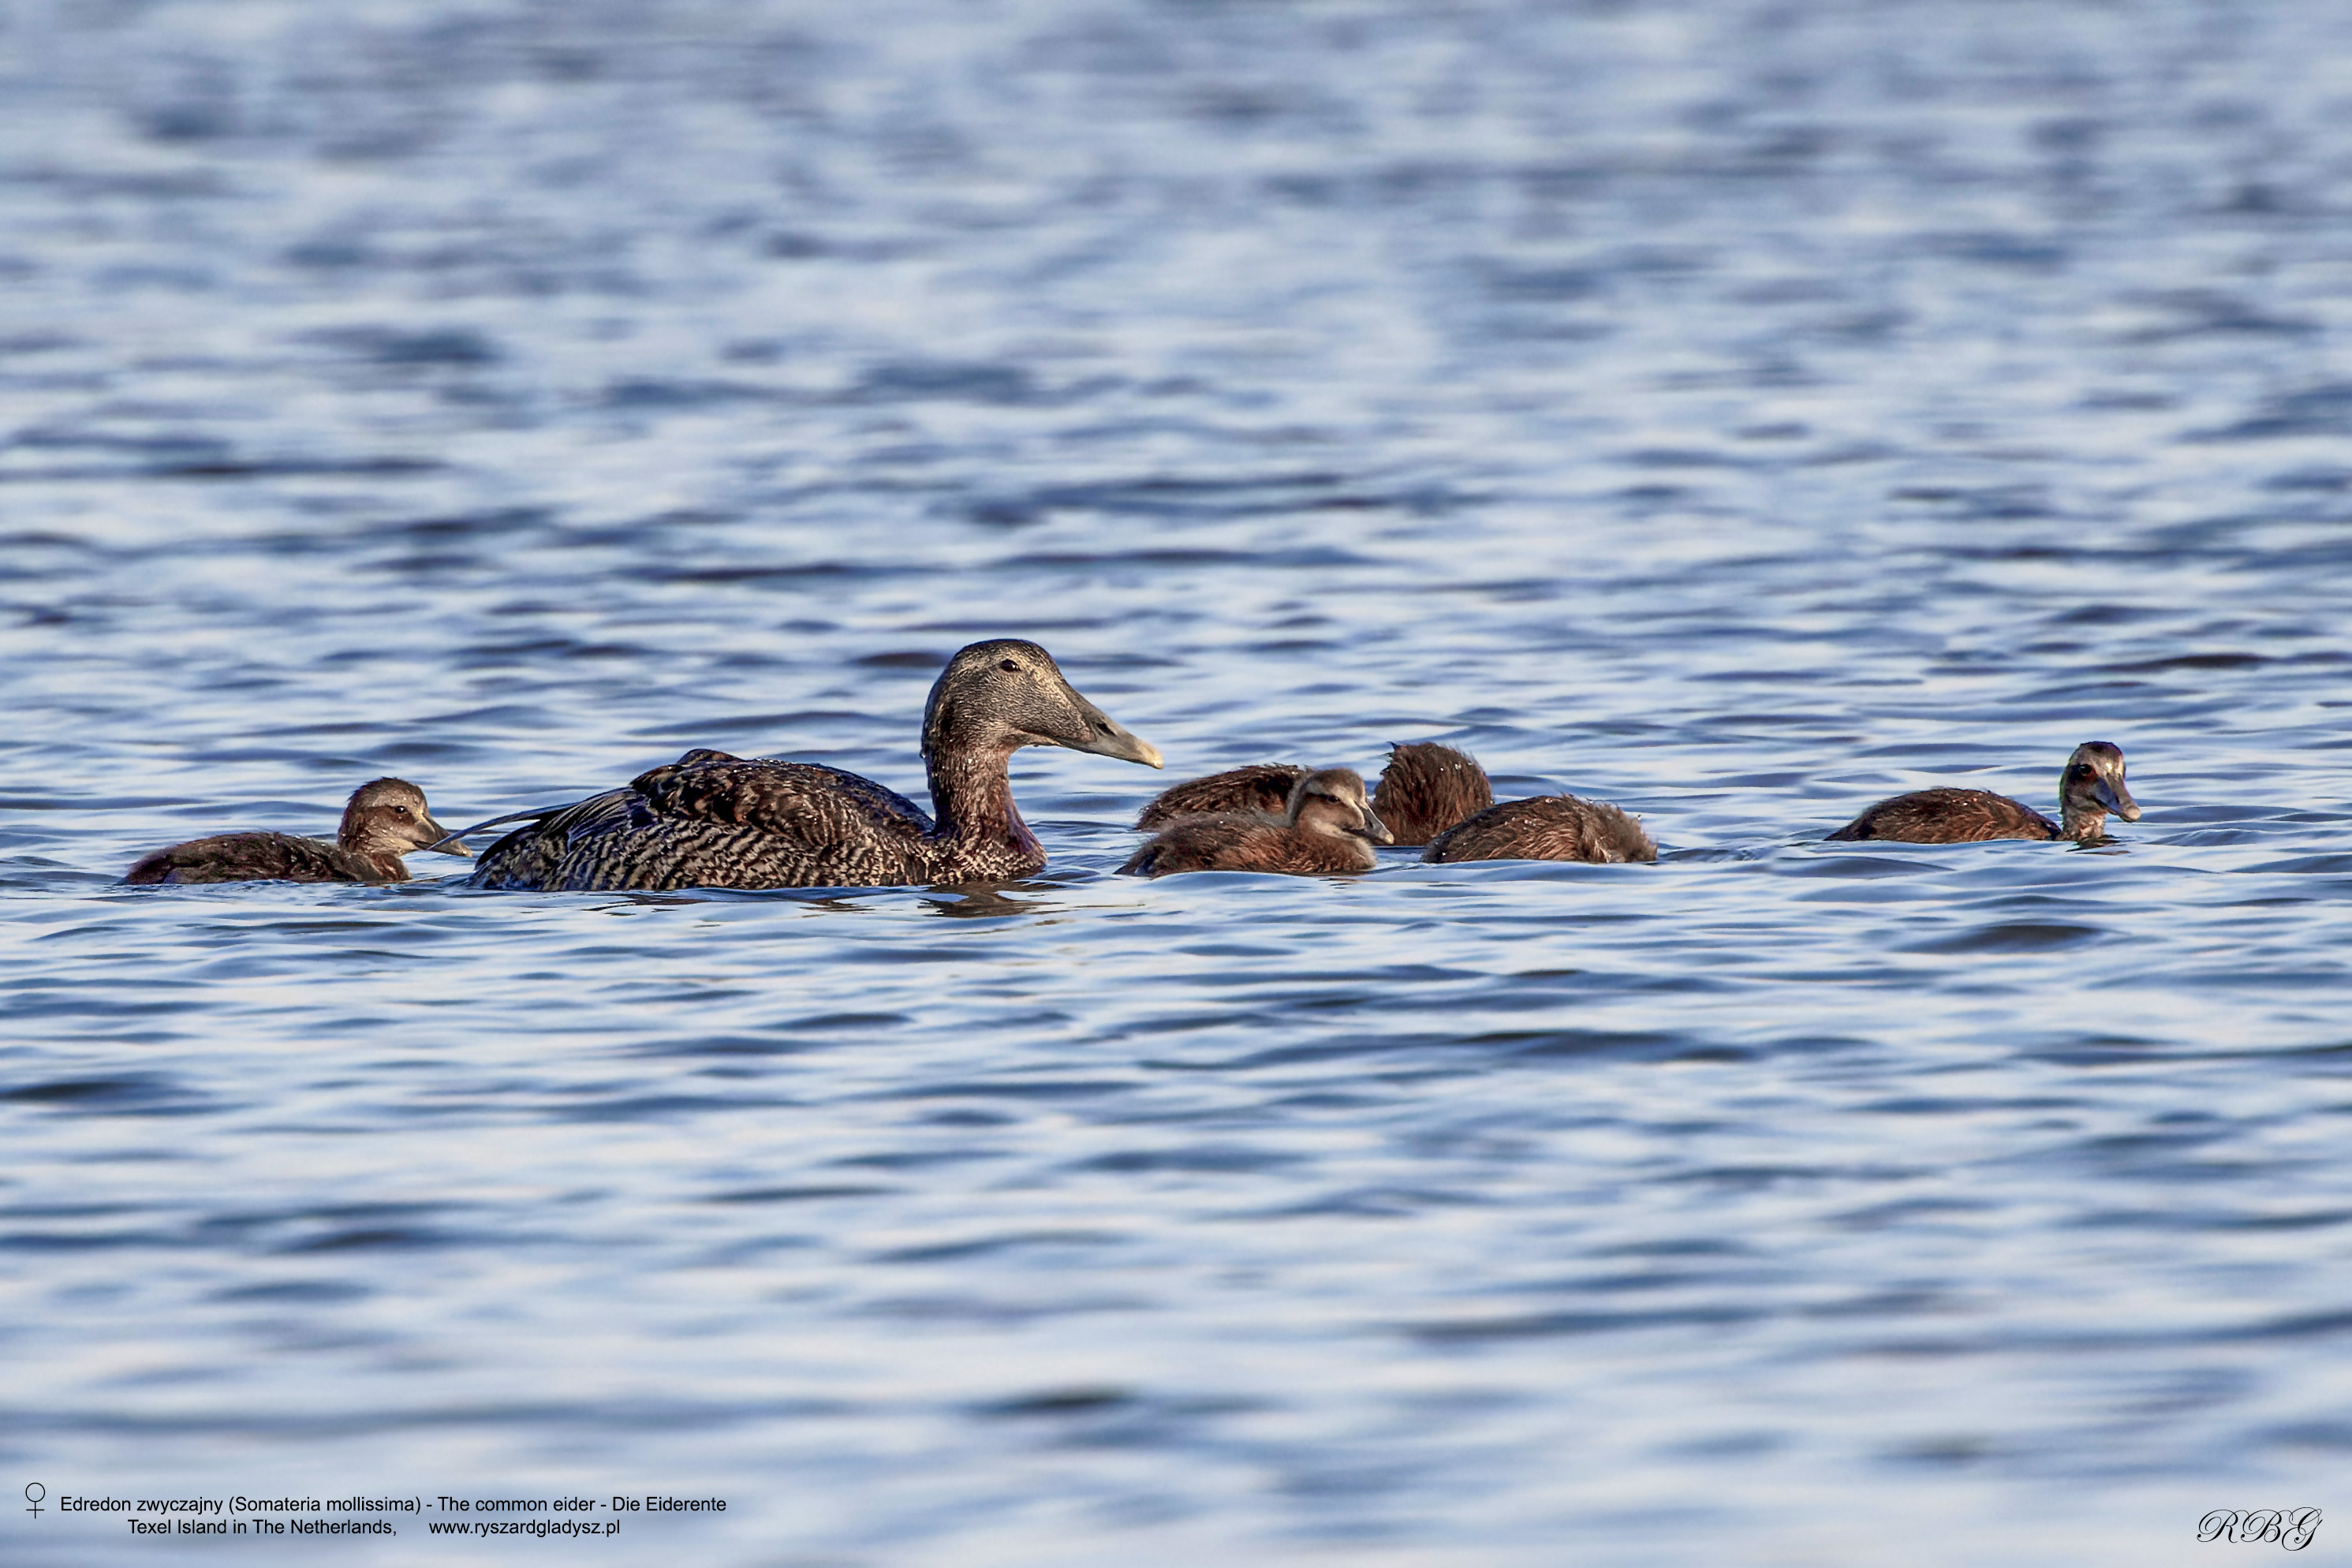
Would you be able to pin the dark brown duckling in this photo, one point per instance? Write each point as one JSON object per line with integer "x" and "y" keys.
{"x": 711, "y": 820}
{"x": 1425, "y": 789}
{"x": 1545, "y": 827}
{"x": 2091, "y": 786}
{"x": 1261, "y": 789}
{"x": 1326, "y": 827}
{"x": 385, "y": 819}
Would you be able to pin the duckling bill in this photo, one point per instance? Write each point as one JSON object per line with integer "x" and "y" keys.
{"x": 2091, "y": 786}
{"x": 383, "y": 820}
{"x": 1326, "y": 827}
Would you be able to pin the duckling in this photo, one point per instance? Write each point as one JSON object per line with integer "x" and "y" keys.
{"x": 1326, "y": 827}
{"x": 1545, "y": 827}
{"x": 1425, "y": 789}
{"x": 2091, "y": 786}
{"x": 711, "y": 820}
{"x": 1261, "y": 788}
{"x": 385, "y": 819}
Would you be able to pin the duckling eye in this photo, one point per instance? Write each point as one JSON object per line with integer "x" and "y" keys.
{"x": 1008, "y": 667}
{"x": 401, "y": 809}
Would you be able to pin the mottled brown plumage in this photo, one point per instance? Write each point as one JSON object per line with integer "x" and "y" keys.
{"x": 1425, "y": 789}
{"x": 2091, "y": 785}
{"x": 1326, "y": 827}
{"x": 383, "y": 820}
{"x": 711, "y": 820}
{"x": 1545, "y": 827}
{"x": 1261, "y": 788}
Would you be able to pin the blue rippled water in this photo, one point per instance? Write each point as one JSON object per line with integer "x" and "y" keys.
{"x": 1737, "y": 410}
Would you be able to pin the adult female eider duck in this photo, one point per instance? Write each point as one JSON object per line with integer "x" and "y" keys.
{"x": 1326, "y": 827}
{"x": 1545, "y": 827}
{"x": 383, "y": 820}
{"x": 2091, "y": 786}
{"x": 1425, "y": 789}
{"x": 710, "y": 820}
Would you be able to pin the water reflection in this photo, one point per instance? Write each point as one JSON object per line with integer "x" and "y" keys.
{"x": 984, "y": 903}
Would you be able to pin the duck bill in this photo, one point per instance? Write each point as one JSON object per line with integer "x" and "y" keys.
{"x": 2112, "y": 794}
{"x": 444, "y": 842}
{"x": 1376, "y": 831}
{"x": 444, "y": 845}
{"x": 1105, "y": 736}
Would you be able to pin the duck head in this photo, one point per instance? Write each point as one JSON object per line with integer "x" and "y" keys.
{"x": 389, "y": 816}
{"x": 1009, "y": 694}
{"x": 2091, "y": 786}
{"x": 1332, "y": 801}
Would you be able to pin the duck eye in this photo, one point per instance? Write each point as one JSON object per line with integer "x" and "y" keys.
{"x": 1008, "y": 667}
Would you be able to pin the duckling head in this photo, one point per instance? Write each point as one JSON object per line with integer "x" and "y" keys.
{"x": 389, "y": 816}
{"x": 1332, "y": 801}
{"x": 1009, "y": 694}
{"x": 2092, "y": 783}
